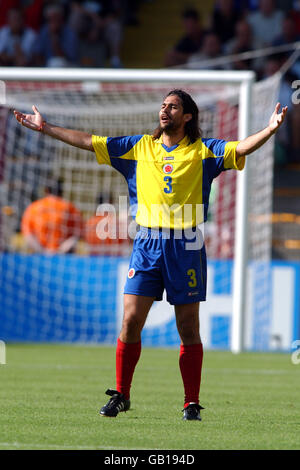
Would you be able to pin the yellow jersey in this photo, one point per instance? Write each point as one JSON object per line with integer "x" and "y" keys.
{"x": 168, "y": 187}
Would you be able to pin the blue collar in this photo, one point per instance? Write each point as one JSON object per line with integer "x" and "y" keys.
{"x": 170, "y": 149}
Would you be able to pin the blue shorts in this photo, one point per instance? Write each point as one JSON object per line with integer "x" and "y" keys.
{"x": 164, "y": 259}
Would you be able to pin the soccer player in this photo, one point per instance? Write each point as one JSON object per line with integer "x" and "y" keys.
{"x": 174, "y": 169}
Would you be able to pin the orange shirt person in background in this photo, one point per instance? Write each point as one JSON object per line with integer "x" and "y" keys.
{"x": 51, "y": 224}
{"x": 106, "y": 232}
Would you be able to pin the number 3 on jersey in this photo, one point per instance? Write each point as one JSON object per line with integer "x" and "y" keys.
{"x": 168, "y": 181}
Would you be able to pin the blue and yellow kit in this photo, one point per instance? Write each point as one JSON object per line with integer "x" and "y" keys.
{"x": 169, "y": 189}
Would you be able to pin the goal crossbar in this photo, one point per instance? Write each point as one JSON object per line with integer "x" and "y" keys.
{"x": 131, "y": 75}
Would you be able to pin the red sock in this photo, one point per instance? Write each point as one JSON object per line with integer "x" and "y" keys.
{"x": 127, "y": 356}
{"x": 190, "y": 363}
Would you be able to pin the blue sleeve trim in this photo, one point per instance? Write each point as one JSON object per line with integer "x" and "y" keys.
{"x": 118, "y": 146}
{"x": 128, "y": 169}
{"x": 212, "y": 167}
{"x": 216, "y": 146}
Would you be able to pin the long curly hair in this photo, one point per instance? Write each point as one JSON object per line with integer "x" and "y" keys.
{"x": 192, "y": 128}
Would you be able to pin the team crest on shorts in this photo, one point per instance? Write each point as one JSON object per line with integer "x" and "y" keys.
{"x": 131, "y": 273}
{"x": 168, "y": 168}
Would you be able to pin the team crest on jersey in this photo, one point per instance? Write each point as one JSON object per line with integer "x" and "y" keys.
{"x": 131, "y": 273}
{"x": 168, "y": 168}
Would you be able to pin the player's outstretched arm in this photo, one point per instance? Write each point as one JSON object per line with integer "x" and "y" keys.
{"x": 36, "y": 122}
{"x": 255, "y": 141}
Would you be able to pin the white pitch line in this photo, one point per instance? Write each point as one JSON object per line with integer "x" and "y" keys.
{"x": 249, "y": 371}
{"x": 58, "y": 446}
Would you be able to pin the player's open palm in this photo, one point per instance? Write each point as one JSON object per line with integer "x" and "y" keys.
{"x": 32, "y": 121}
{"x": 277, "y": 117}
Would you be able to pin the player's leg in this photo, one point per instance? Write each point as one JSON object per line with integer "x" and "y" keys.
{"x": 136, "y": 309}
{"x": 190, "y": 357}
{"x": 188, "y": 323}
{"x": 184, "y": 274}
{"x": 144, "y": 285}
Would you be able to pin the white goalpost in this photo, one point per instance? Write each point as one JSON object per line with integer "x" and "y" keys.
{"x": 125, "y": 102}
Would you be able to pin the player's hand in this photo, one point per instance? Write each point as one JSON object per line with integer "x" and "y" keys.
{"x": 277, "y": 118}
{"x": 32, "y": 121}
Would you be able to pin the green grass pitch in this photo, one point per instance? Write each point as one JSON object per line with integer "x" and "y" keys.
{"x": 50, "y": 396}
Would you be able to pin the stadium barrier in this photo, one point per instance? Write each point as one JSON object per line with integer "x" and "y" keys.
{"x": 83, "y": 303}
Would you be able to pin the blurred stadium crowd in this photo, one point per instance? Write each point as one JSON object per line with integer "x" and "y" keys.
{"x": 90, "y": 33}
{"x": 236, "y": 27}
{"x": 63, "y": 33}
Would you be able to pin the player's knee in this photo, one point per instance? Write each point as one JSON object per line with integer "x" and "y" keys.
{"x": 131, "y": 325}
{"x": 189, "y": 333}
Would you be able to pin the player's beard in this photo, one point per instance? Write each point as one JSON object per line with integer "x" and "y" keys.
{"x": 170, "y": 128}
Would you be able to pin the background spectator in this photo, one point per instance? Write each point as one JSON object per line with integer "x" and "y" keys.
{"x": 288, "y": 33}
{"x": 17, "y": 41}
{"x": 266, "y": 22}
{"x": 107, "y": 232}
{"x": 33, "y": 13}
{"x": 52, "y": 224}
{"x": 99, "y": 26}
{"x": 211, "y": 49}
{"x": 224, "y": 19}
{"x": 113, "y": 33}
{"x": 108, "y": 225}
{"x": 243, "y": 41}
{"x": 5, "y": 6}
{"x": 57, "y": 43}
{"x": 191, "y": 41}
{"x": 87, "y": 23}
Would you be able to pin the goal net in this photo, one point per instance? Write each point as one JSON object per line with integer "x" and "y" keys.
{"x": 61, "y": 292}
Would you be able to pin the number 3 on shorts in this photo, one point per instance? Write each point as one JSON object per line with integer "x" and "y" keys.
{"x": 193, "y": 280}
